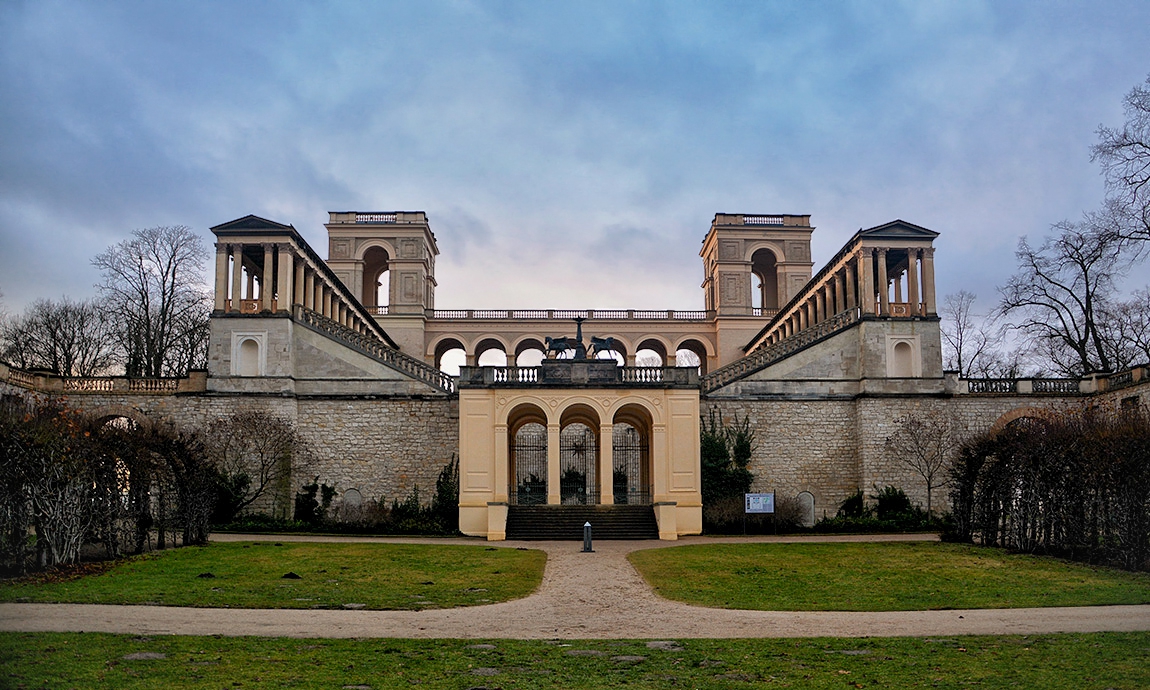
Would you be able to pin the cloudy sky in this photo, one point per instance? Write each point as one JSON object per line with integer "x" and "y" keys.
{"x": 568, "y": 154}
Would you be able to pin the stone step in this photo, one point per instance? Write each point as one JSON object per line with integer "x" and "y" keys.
{"x": 561, "y": 523}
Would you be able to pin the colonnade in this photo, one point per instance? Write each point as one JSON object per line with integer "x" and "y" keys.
{"x": 253, "y": 278}
{"x": 868, "y": 279}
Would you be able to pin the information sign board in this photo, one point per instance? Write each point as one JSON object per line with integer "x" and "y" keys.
{"x": 760, "y": 503}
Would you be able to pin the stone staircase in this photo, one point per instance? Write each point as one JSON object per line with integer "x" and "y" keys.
{"x": 565, "y": 523}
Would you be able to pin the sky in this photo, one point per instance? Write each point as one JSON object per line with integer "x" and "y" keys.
{"x": 569, "y": 155}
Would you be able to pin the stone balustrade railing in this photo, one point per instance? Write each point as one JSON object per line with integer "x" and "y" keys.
{"x": 87, "y": 385}
{"x": 374, "y": 348}
{"x": 769, "y": 354}
{"x": 1048, "y": 386}
{"x": 567, "y": 314}
{"x": 629, "y": 377}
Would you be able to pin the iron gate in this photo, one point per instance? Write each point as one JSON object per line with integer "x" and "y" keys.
{"x": 529, "y": 458}
{"x": 578, "y": 458}
{"x": 631, "y": 481}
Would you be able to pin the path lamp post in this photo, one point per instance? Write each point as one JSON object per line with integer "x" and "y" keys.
{"x": 587, "y": 538}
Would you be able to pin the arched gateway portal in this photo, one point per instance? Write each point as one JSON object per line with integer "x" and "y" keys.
{"x": 573, "y": 434}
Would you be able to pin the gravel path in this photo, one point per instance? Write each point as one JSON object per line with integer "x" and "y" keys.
{"x": 583, "y": 596}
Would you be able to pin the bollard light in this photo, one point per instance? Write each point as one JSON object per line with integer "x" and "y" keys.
{"x": 587, "y": 538}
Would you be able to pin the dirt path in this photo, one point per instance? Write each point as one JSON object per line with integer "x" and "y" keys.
{"x": 583, "y": 596}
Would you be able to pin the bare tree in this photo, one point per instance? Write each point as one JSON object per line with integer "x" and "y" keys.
{"x": 969, "y": 340}
{"x": 65, "y": 337}
{"x": 1124, "y": 154}
{"x": 257, "y": 454}
{"x": 153, "y": 284}
{"x": 1126, "y": 330}
{"x": 924, "y": 442}
{"x": 1061, "y": 290}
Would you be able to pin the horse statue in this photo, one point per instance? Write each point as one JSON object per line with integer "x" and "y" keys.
{"x": 557, "y": 345}
{"x": 601, "y": 345}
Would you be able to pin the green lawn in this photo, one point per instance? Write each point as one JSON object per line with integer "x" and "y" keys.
{"x": 67, "y": 660}
{"x": 250, "y": 575}
{"x": 878, "y": 577}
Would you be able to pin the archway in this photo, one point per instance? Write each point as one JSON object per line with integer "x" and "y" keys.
{"x": 579, "y": 456}
{"x": 692, "y": 353}
{"x": 765, "y": 267}
{"x": 651, "y": 353}
{"x": 527, "y": 460}
{"x": 449, "y": 356}
{"x": 529, "y": 353}
{"x": 631, "y": 456}
{"x": 376, "y": 278}
{"x": 490, "y": 352}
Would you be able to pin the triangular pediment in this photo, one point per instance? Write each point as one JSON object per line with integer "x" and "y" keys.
{"x": 251, "y": 222}
{"x": 898, "y": 229}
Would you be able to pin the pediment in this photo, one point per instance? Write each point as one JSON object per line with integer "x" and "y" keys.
{"x": 251, "y": 222}
{"x": 898, "y": 230}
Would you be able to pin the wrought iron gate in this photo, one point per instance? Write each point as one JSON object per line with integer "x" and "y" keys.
{"x": 631, "y": 481}
{"x": 578, "y": 458}
{"x": 529, "y": 458}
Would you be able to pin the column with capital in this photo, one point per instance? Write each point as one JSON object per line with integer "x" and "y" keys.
{"x": 912, "y": 282}
{"x": 606, "y": 463}
{"x": 883, "y": 283}
{"x": 237, "y": 276}
{"x": 221, "y": 296}
{"x": 866, "y": 280}
{"x": 928, "y": 281}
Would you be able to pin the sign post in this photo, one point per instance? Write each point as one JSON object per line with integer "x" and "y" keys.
{"x": 757, "y": 504}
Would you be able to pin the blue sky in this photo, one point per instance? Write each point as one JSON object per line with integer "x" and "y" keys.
{"x": 568, "y": 154}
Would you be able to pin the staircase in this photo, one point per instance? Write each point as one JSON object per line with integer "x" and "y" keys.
{"x": 565, "y": 523}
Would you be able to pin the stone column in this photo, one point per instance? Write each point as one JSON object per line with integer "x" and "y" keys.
{"x": 606, "y": 463}
{"x": 851, "y": 285}
{"x": 510, "y": 359}
{"x": 897, "y": 280}
{"x": 883, "y": 283}
{"x": 553, "y": 495}
{"x": 267, "y": 283}
{"x": 309, "y": 289}
{"x": 841, "y": 291}
{"x": 300, "y": 285}
{"x": 221, "y": 296}
{"x": 327, "y": 301}
{"x": 912, "y": 282}
{"x": 237, "y": 276}
{"x": 866, "y": 281}
{"x": 928, "y": 281}
{"x": 284, "y": 292}
{"x": 251, "y": 283}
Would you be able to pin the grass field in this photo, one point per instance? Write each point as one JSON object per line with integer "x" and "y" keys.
{"x": 250, "y": 575}
{"x": 65, "y": 660}
{"x": 878, "y": 577}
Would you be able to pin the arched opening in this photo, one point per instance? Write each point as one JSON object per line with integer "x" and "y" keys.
{"x": 692, "y": 353}
{"x": 579, "y": 456}
{"x": 903, "y": 365}
{"x": 529, "y": 353}
{"x": 449, "y": 356}
{"x": 651, "y": 353}
{"x": 376, "y": 278}
{"x": 765, "y": 268}
{"x": 490, "y": 353}
{"x": 527, "y": 461}
{"x": 248, "y": 362}
{"x": 631, "y": 456}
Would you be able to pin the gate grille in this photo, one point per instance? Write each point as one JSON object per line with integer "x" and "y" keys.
{"x": 578, "y": 458}
{"x": 631, "y": 483}
{"x": 529, "y": 455}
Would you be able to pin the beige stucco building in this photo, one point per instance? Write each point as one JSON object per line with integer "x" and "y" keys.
{"x": 351, "y": 348}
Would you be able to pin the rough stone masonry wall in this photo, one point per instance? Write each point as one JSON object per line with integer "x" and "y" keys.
{"x": 382, "y": 447}
{"x": 833, "y": 447}
{"x": 799, "y": 446}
